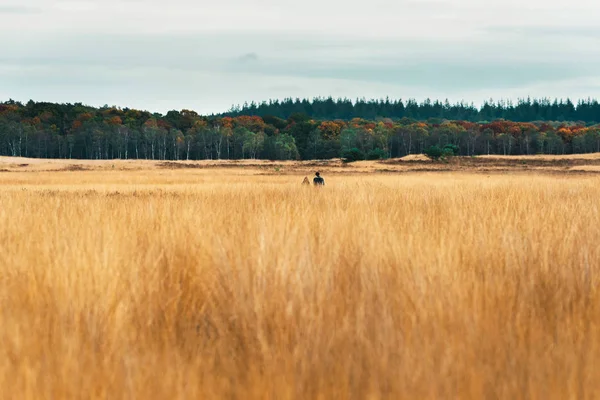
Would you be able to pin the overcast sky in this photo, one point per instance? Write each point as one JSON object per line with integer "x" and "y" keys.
{"x": 208, "y": 55}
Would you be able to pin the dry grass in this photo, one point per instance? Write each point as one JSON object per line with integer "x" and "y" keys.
{"x": 587, "y": 168}
{"x": 409, "y": 164}
{"x": 416, "y": 157}
{"x": 31, "y": 169}
{"x": 222, "y": 284}
{"x": 545, "y": 157}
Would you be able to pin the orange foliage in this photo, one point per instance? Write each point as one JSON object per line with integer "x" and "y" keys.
{"x": 514, "y": 131}
{"x": 200, "y": 124}
{"x": 112, "y": 111}
{"x": 150, "y": 123}
{"x": 85, "y": 117}
{"x": 8, "y": 108}
{"x": 115, "y": 121}
{"x": 566, "y": 134}
{"x": 330, "y": 129}
{"x": 253, "y": 123}
{"x": 528, "y": 126}
{"x": 227, "y": 122}
{"x": 466, "y": 124}
{"x": 36, "y": 121}
{"x": 499, "y": 127}
{"x": 357, "y": 122}
{"x": 163, "y": 124}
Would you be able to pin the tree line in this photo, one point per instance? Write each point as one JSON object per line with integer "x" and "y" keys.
{"x": 49, "y": 130}
{"x": 524, "y": 110}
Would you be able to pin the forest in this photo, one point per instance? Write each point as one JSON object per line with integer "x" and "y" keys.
{"x": 524, "y": 110}
{"x": 299, "y": 130}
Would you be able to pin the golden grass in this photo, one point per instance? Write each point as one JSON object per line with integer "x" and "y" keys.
{"x": 586, "y": 168}
{"x": 410, "y": 164}
{"x": 173, "y": 284}
{"x": 544, "y": 157}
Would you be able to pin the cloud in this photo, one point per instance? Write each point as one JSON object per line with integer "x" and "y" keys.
{"x": 216, "y": 54}
{"x": 14, "y": 9}
{"x": 248, "y": 58}
{"x": 555, "y": 32}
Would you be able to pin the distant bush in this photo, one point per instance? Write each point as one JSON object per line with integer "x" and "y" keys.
{"x": 446, "y": 154}
{"x": 451, "y": 148}
{"x": 353, "y": 154}
{"x": 436, "y": 152}
{"x": 376, "y": 154}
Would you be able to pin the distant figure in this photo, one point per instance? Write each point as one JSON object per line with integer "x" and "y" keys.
{"x": 318, "y": 181}
{"x": 306, "y": 181}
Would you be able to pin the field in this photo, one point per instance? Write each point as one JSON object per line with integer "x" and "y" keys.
{"x": 403, "y": 279}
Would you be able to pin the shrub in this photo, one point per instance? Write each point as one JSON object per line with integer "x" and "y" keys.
{"x": 433, "y": 152}
{"x": 436, "y": 153}
{"x": 451, "y": 148}
{"x": 376, "y": 154}
{"x": 446, "y": 154}
{"x": 353, "y": 154}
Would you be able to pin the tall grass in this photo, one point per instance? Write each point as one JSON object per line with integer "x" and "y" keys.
{"x": 421, "y": 286}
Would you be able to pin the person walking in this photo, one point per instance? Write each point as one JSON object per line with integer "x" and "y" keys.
{"x": 318, "y": 180}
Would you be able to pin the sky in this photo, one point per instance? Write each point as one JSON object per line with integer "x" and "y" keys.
{"x": 208, "y": 55}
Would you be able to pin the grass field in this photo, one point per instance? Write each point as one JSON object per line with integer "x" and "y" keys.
{"x": 148, "y": 281}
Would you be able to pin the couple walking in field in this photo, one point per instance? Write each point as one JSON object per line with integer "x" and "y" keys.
{"x": 317, "y": 181}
